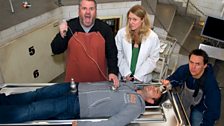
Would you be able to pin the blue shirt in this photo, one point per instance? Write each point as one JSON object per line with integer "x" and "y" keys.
{"x": 210, "y": 104}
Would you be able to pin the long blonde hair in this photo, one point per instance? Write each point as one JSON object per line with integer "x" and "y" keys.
{"x": 144, "y": 30}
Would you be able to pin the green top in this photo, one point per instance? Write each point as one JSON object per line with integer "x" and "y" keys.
{"x": 134, "y": 59}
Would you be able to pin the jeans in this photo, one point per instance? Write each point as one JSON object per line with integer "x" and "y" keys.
{"x": 52, "y": 102}
{"x": 196, "y": 117}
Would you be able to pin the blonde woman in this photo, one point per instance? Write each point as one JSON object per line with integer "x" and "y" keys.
{"x": 138, "y": 47}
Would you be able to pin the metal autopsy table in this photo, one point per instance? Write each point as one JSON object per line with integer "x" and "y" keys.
{"x": 169, "y": 112}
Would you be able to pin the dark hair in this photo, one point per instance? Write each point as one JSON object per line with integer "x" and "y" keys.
{"x": 158, "y": 101}
{"x": 199, "y": 52}
{"x": 87, "y": 0}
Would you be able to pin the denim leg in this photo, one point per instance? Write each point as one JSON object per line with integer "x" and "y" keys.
{"x": 67, "y": 105}
{"x": 73, "y": 111}
{"x": 47, "y": 92}
{"x": 196, "y": 117}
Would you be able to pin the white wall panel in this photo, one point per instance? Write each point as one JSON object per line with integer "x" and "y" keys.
{"x": 17, "y": 65}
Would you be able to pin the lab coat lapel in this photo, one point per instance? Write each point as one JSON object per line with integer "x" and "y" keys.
{"x": 141, "y": 55}
{"x": 128, "y": 49}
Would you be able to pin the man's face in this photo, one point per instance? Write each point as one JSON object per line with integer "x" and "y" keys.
{"x": 151, "y": 92}
{"x": 87, "y": 12}
{"x": 196, "y": 66}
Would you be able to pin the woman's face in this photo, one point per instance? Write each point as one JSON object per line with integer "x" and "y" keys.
{"x": 134, "y": 21}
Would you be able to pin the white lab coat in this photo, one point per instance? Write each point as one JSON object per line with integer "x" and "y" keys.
{"x": 147, "y": 58}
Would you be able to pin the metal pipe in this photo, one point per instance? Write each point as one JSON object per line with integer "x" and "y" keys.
{"x": 60, "y": 3}
{"x": 1, "y": 78}
{"x": 187, "y": 7}
{"x": 10, "y": 2}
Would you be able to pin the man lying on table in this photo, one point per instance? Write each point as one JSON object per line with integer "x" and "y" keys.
{"x": 91, "y": 100}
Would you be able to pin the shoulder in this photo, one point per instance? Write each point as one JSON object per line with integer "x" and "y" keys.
{"x": 137, "y": 102}
{"x": 121, "y": 31}
{"x": 181, "y": 73}
{"x": 73, "y": 21}
{"x": 103, "y": 28}
{"x": 121, "y": 34}
{"x": 210, "y": 77}
{"x": 153, "y": 34}
{"x": 209, "y": 69}
{"x": 183, "y": 68}
{"x": 152, "y": 40}
{"x": 209, "y": 72}
{"x": 74, "y": 24}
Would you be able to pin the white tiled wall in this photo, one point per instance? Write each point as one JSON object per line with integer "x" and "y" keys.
{"x": 28, "y": 26}
{"x": 20, "y": 58}
{"x": 65, "y": 12}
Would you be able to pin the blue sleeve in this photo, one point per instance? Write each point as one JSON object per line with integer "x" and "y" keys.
{"x": 179, "y": 76}
{"x": 212, "y": 102}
